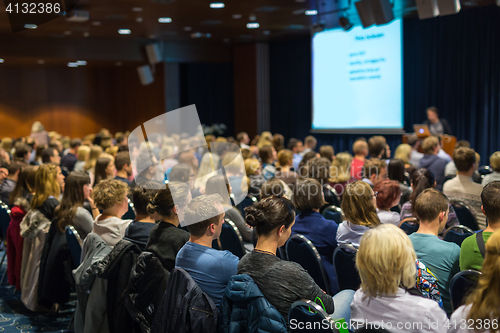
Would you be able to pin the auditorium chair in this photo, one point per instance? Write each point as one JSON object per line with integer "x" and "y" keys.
{"x": 230, "y": 239}
{"x": 457, "y": 234}
{"x": 312, "y": 318}
{"x": 344, "y": 258}
{"x": 460, "y": 284}
{"x": 464, "y": 214}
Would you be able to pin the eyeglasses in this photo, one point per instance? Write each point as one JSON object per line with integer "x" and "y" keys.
{"x": 374, "y": 195}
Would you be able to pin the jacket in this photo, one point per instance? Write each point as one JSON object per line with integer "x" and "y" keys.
{"x": 34, "y": 227}
{"x": 435, "y": 165}
{"x": 148, "y": 282}
{"x": 444, "y": 122}
{"x": 90, "y": 313}
{"x": 194, "y": 311}
{"x": 15, "y": 242}
{"x": 115, "y": 268}
{"x": 55, "y": 279}
{"x": 244, "y": 309}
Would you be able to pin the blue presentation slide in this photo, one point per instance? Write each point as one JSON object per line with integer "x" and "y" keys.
{"x": 357, "y": 79}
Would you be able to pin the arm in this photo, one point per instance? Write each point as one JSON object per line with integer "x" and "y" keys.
{"x": 95, "y": 210}
{"x": 446, "y": 127}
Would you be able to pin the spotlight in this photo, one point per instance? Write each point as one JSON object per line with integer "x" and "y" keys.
{"x": 345, "y": 23}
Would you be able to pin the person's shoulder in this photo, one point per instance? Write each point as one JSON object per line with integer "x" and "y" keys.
{"x": 469, "y": 242}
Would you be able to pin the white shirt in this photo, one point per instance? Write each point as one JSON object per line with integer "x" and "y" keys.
{"x": 495, "y": 176}
{"x": 450, "y": 169}
{"x": 400, "y": 313}
{"x": 459, "y": 322}
{"x": 349, "y": 233}
{"x": 388, "y": 217}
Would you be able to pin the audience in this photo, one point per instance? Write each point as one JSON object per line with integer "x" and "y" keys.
{"x": 9, "y": 182}
{"x": 309, "y": 144}
{"x": 462, "y": 187}
{"x": 387, "y": 274}
{"x": 375, "y": 171}
{"x": 275, "y": 187}
{"x": 440, "y": 257}
{"x": 285, "y": 168}
{"x": 415, "y": 155}
{"x": 304, "y": 163}
{"x": 278, "y": 142}
{"x": 358, "y": 206}
{"x": 243, "y": 140}
{"x": 471, "y": 254}
{"x": 123, "y": 167}
{"x": 388, "y": 194}
{"x": 166, "y": 239}
{"x": 396, "y": 171}
{"x": 441, "y": 153}
{"x": 82, "y": 155}
{"x": 254, "y": 177}
{"x": 340, "y": 173}
{"x": 360, "y": 151}
{"x": 51, "y": 155}
{"x": 451, "y": 169}
{"x": 208, "y": 168}
{"x": 95, "y": 152}
{"x": 110, "y": 196}
{"x": 308, "y": 199}
{"x": 69, "y": 160}
{"x": 403, "y": 153}
{"x": 482, "y": 306}
{"x": 495, "y": 165}
{"x": 267, "y": 156}
{"x": 378, "y": 147}
{"x": 327, "y": 152}
{"x": 283, "y": 282}
{"x": 210, "y": 268}
{"x": 319, "y": 169}
{"x": 431, "y": 161}
{"x": 104, "y": 169}
{"x": 296, "y": 146}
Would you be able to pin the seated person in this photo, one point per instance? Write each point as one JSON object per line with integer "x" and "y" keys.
{"x": 375, "y": 171}
{"x": 421, "y": 180}
{"x": 283, "y": 282}
{"x": 439, "y": 256}
{"x": 396, "y": 171}
{"x": 470, "y": 253}
{"x": 276, "y": 187}
{"x": 451, "y": 169}
{"x": 388, "y": 194}
{"x": 387, "y": 272}
{"x": 123, "y": 167}
{"x": 285, "y": 168}
{"x": 481, "y": 306}
{"x": 462, "y": 187}
{"x": 378, "y": 147}
{"x": 340, "y": 174}
{"x": 138, "y": 230}
{"x": 110, "y": 196}
{"x": 254, "y": 176}
{"x": 267, "y": 156}
{"x": 359, "y": 210}
{"x": 432, "y": 161}
{"x": 210, "y": 268}
{"x": 308, "y": 198}
{"x": 360, "y": 150}
{"x": 495, "y": 165}
{"x": 319, "y": 169}
{"x": 166, "y": 239}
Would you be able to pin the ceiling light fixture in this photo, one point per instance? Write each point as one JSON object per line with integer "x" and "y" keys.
{"x": 237, "y": 16}
{"x": 165, "y": 20}
{"x": 1, "y": 61}
{"x": 311, "y": 12}
{"x": 81, "y": 62}
{"x": 217, "y": 5}
{"x": 124, "y": 31}
{"x": 253, "y": 25}
{"x": 138, "y": 19}
{"x": 137, "y": 9}
{"x": 30, "y": 26}
{"x": 72, "y": 64}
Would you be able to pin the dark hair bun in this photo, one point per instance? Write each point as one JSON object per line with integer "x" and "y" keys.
{"x": 152, "y": 208}
{"x": 254, "y": 216}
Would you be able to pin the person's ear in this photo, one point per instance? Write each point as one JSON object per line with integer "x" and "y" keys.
{"x": 175, "y": 209}
{"x": 281, "y": 230}
{"x": 212, "y": 228}
{"x": 482, "y": 209}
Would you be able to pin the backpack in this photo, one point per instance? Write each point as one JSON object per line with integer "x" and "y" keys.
{"x": 427, "y": 283}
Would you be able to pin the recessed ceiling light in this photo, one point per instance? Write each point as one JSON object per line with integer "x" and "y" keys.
{"x": 165, "y": 20}
{"x": 217, "y": 5}
{"x": 119, "y": 63}
{"x": 311, "y": 12}
{"x": 67, "y": 32}
{"x": 40, "y": 62}
{"x": 1, "y": 61}
{"x": 196, "y": 35}
{"x": 124, "y": 31}
{"x": 138, "y": 19}
{"x": 188, "y": 28}
{"x": 72, "y": 64}
{"x": 208, "y": 35}
{"x": 30, "y": 26}
{"x": 237, "y": 16}
{"x": 86, "y": 34}
{"x": 253, "y": 25}
{"x": 267, "y": 32}
{"x": 96, "y": 23}
{"x": 137, "y": 9}
{"x": 81, "y": 62}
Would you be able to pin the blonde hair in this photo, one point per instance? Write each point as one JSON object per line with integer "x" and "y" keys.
{"x": 284, "y": 157}
{"x": 95, "y": 152}
{"x": 385, "y": 260}
{"x": 495, "y": 161}
{"x": 484, "y": 298}
{"x": 358, "y": 206}
{"x": 112, "y": 151}
{"x": 429, "y": 144}
{"x": 266, "y": 139}
{"x": 37, "y": 127}
{"x": 45, "y": 184}
{"x": 83, "y": 153}
{"x": 341, "y": 168}
{"x": 109, "y": 192}
{"x": 403, "y": 152}
{"x": 359, "y": 147}
{"x": 208, "y": 168}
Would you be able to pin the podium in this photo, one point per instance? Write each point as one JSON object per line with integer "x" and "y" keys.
{"x": 449, "y": 142}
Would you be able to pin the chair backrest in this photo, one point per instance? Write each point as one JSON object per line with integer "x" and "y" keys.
{"x": 230, "y": 239}
{"x": 74, "y": 244}
{"x": 409, "y": 225}
{"x": 485, "y": 170}
{"x": 305, "y": 316}
{"x": 248, "y": 201}
{"x": 344, "y": 258}
{"x": 130, "y": 214}
{"x": 460, "y": 285}
{"x": 457, "y": 234}
{"x": 335, "y": 197}
{"x": 333, "y": 213}
{"x": 299, "y": 249}
{"x": 281, "y": 253}
{"x": 4, "y": 218}
{"x": 464, "y": 214}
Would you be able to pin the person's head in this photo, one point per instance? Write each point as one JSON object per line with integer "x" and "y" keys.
{"x": 22, "y": 151}
{"x": 217, "y": 185}
{"x": 273, "y": 186}
{"x": 182, "y": 173}
{"x": 46, "y": 184}
{"x": 110, "y": 195}
{"x": 385, "y": 261}
{"x": 83, "y": 153}
{"x": 433, "y": 114}
{"x": 232, "y": 164}
{"x": 490, "y": 198}
{"x": 295, "y": 145}
{"x": 146, "y": 164}
{"x": 432, "y": 205}
{"x": 267, "y": 154}
{"x": 169, "y": 203}
{"x": 51, "y": 155}
{"x": 272, "y": 218}
{"x": 420, "y": 180}
{"x": 14, "y": 169}
{"x": 76, "y": 190}
{"x": 122, "y": 162}
{"x": 25, "y": 183}
{"x": 243, "y": 138}
{"x": 495, "y": 161}
{"x": 377, "y": 146}
{"x": 403, "y": 153}
{"x": 396, "y": 170}
{"x": 358, "y": 204}
{"x": 430, "y": 146}
{"x": 388, "y": 194}
{"x": 413, "y": 141}
{"x": 341, "y": 168}
{"x": 375, "y": 170}
{"x": 304, "y": 163}
{"x": 142, "y": 194}
{"x": 37, "y": 127}
{"x": 310, "y": 142}
{"x": 308, "y": 195}
{"x": 204, "y": 216}
{"x": 74, "y": 144}
{"x": 188, "y": 157}
{"x": 326, "y": 152}
{"x": 285, "y": 158}
{"x": 278, "y": 142}
{"x": 360, "y": 148}
{"x": 252, "y": 166}
{"x": 95, "y": 152}
{"x": 484, "y": 300}
{"x": 104, "y": 169}
{"x": 319, "y": 169}
{"x": 462, "y": 144}
{"x": 464, "y": 159}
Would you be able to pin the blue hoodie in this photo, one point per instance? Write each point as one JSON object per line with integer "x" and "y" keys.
{"x": 436, "y": 165}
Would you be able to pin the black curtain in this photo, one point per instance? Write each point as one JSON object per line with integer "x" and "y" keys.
{"x": 210, "y": 87}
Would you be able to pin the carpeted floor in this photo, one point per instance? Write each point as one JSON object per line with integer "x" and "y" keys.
{"x": 14, "y": 317}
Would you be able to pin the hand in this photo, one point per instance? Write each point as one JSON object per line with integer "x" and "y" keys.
{"x": 89, "y": 197}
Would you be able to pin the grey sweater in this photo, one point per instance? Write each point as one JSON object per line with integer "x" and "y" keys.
{"x": 282, "y": 282}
